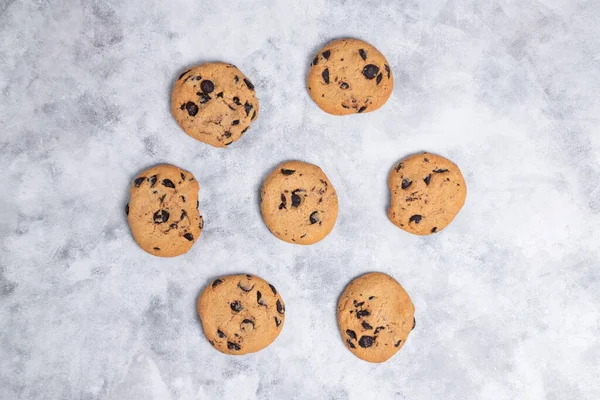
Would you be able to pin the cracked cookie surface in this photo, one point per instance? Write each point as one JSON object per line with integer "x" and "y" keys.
{"x": 241, "y": 314}
{"x": 214, "y": 103}
{"x": 375, "y": 316}
{"x": 427, "y": 192}
{"x": 349, "y": 76}
{"x": 163, "y": 210}
{"x": 298, "y": 203}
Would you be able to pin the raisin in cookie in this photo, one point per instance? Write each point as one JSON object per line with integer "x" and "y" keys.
{"x": 241, "y": 314}
{"x": 375, "y": 316}
{"x": 298, "y": 203}
{"x": 349, "y": 76}
{"x": 163, "y": 210}
{"x": 428, "y": 191}
{"x": 214, "y": 103}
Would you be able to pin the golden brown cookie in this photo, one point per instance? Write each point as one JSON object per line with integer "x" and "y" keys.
{"x": 163, "y": 210}
{"x": 349, "y": 76}
{"x": 241, "y": 314}
{"x": 214, "y": 103}
{"x": 428, "y": 191}
{"x": 375, "y": 316}
{"x": 298, "y": 203}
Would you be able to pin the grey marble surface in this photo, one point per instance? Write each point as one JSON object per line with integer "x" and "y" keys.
{"x": 507, "y": 298}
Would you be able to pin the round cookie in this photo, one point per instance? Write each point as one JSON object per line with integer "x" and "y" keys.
{"x": 214, "y": 103}
{"x": 428, "y": 191}
{"x": 241, "y": 314}
{"x": 349, "y": 76}
{"x": 298, "y": 203}
{"x": 163, "y": 210}
{"x": 375, "y": 316}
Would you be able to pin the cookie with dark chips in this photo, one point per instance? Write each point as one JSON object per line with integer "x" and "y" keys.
{"x": 349, "y": 76}
{"x": 241, "y": 314}
{"x": 214, "y": 103}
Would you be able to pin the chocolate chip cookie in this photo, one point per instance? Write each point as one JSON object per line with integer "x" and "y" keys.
{"x": 241, "y": 314}
{"x": 428, "y": 191}
{"x": 349, "y": 76}
{"x": 214, "y": 103}
{"x": 163, "y": 210}
{"x": 375, "y": 316}
{"x": 298, "y": 203}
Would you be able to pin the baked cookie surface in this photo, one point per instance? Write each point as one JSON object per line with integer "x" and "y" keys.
{"x": 163, "y": 210}
{"x": 427, "y": 192}
{"x": 241, "y": 314}
{"x": 214, "y": 103}
{"x": 349, "y": 76}
{"x": 375, "y": 317}
{"x": 298, "y": 203}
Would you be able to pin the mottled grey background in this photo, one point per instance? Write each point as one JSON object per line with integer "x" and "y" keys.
{"x": 507, "y": 297}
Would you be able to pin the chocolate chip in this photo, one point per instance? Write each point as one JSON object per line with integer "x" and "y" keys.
{"x": 191, "y": 108}
{"x": 249, "y": 84}
{"x": 168, "y": 183}
{"x": 399, "y": 166}
{"x": 434, "y": 229}
{"x": 220, "y": 94}
{"x": 415, "y": 218}
{"x": 326, "y": 54}
{"x": 207, "y": 86}
{"x": 362, "y": 313}
{"x": 247, "y": 325}
{"x": 351, "y": 333}
{"x": 440, "y": 171}
{"x": 174, "y": 226}
{"x": 379, "y": 329}
{"x": 273, "y": 288}
{"x": 287, "y": 171}
{"x": 325, "y": 75}
{"x": 236, "y": 306}
{"x": 237, "y": 79}
{"x": 227, "y": 134}
{"x": 371, "y": 297}
{"x": 189, "y": 236}
{"x": 139, "y": 181}
{"x": 362, "y": 109}
{"x": 345, "y": 106}
{"x": 220, "y": 334}
{"x": 344, "y": 85}
{"x": 398, "y": 343}
{"x": 366, "y": 325}
{"x": 387, "y": 69}
{"x": 127, "y": 209}
{"x": 244, "y": 287}
{"x": 370, "y": 71}
{"x": 182, "y": 198}
{"x": 363, "y": 54}
{"x": 216, "y": 282}
{"x": 350, "y": 344}
{"x": 253, "y": 115}
{"x": 296, "y": 200}
{"x": 314, "y": 217}
{"x": 236, "y": 100}
{"x": 379, "y": 77}
{"x": 184, "y": 74}
{"x": 426, "y": 159}
{"x": 316, "y": 60}
{"x": 157, "y": 248}
{"x": 414, "y": 323}
{"x": 406, "y": 183}
{"x": 235, "y": 122}
{"x": 245, "y": 129}
{"x": 161, "y": 216}
{"x": 277, "y": 321}
{"x": 247, "y": 108}
{"x": 283, "y": 202}
{"x": 427, "y": 179}
{"x": 358, "y": 304}
{"x": 280, "y": 307}
{"x": 259, "y": 299}
{"x": 233, "y": 346}
{"x": 152, "y": 180}
{"x": 366, "y": 341}
{"x": 204, "y": 98}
